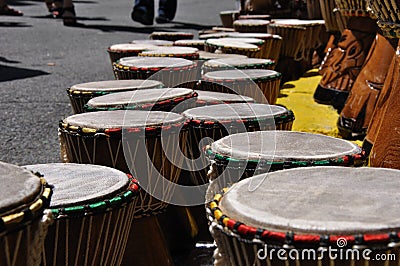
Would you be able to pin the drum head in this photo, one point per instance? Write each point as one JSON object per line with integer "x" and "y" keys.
{"x": 208, "y": 56}
{"x": 170, "y": 51}
{"x": 19, "y": 187}
{"x": 262, "y": 36}
{"x": 251, "y": 22}
{"x": 235, "y": 111}
{"x": 189, "y": 42}
{"x": 211, "y": 96}
{"x": 318, "y": 200}
{"x": 123, "y": 119}
{"x": 78, "y": 184}
{"x": 139, "y": 97}
{"x": 154, "y": 42}
{"x": 283, "y": 146}
{"x": 254, "y": 41}
{"x": 237, "y": 63}
{"x": 231, "y": 43}
{"x": 126, "y": 47}
{"x": 213, "y": 35}
{"x": 117, "y": 85}
{"x": 154, "y": 62}
{"x": 246, "y": 74}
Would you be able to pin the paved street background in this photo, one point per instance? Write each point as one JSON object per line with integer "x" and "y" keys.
{"x": 40, "y": 59}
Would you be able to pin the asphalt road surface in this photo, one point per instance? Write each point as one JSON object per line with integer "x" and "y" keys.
{"x": 40, "y": 59}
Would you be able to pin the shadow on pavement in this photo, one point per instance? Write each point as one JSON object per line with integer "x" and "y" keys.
{"x": 9, "y": 24}
{"x": 12, "y": 73}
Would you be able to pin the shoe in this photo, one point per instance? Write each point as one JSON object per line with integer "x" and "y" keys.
{"x": 140, "y": 16}
{"x": 8, "y": 11}
{"x": 162, "y": 20}
{"x": 69, "y": 16}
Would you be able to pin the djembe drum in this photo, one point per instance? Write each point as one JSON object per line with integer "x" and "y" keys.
{"x": 154, "y": 42}
{"x": 217, "y": 121}
{"x": 272, "y": 43}
{"x": 137, "y": 141}
{"x": 168, "y": 99}
{"x": 23, "y": 219}
{"x": 251, "y": 25}
{"x": 171, "y": 36}
{"x": 205, "y": 98}
{"x": 360, "y": 105}
{"x": 231, "y": 47}
{"x": 168, "y": 70}
{"x": 260, "y": 84}
{"x": 308, "y": 216}
{"x": 118, "y": 51}
{"x": 242, "y": 155}
{"x": 233, "y": 63}
{"x": 189, "y": 53}
{"x": 198, "y": 44}
{"x": 93, "y": 208}
{"x": 382, "y": 136}
{"x": 80, "y": 94}
{"x": 342, "y": 65}
{"x": 228, "y": 17}
{"x": 261, "y": 44}
{"x": 210, "y": 123}
{"x": 204, "y": 56}
{"x": 214, "y": 35}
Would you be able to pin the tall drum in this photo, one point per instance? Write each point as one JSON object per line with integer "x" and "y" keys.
{"x": 93, "y": 207}
{"x": 260, "y": 84}
{"x": 168, "y": 70}
{"x": 211, "y": 123}
{"x": 24, "y": 224}
{"x": 309, "y": 216}
{"x": 80, "y": 94}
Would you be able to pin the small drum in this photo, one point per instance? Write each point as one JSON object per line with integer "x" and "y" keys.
{"x": 80, "y": 94}
{"x": 256, "y": 41}
{"x": 257, "y": 17}
{"x": 217, "y": 121}
{"x": 93, "y": 208}
{"x": 360, "y": 105}
{"x": 171, "y": 36}
{"x": 23, "y": 219}
{"x": 169, "y": 70}
{"x": 311, "y": 39}
{"x": 272, "y": 43}
{"x": 233, "y": 63}
{"x": 188, "y": 53}
{"x": 205, "y": 98}
{"x": 198, "y": 44}
{"x": 214, "y": 35}
{"x": 292, "y": 36}
{"x": 154, "y": 42}
{"x": 251, "y": 25}
{"x": 118, "y": 51}
{"x": 228, "y": 17}
{"x": 204, "y": 56}
{"x": 242, "y": 155}
{"x": 260, "y": 84}
{"x": 231, "y": 47}
{"x": 308, "y": 216}
{"x": 168, "y": 99}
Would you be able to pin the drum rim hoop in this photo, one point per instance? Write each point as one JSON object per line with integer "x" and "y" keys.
{"x": 144, "y": 106}
{"x": 30, "y": 212}
{"x": 289, "y": 238}
{"x": 119, "y": 200}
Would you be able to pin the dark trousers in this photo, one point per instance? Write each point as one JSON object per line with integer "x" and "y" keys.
{"x": 167, "y": 8}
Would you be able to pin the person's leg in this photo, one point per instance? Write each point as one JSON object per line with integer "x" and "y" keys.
{"x": 143, "y": 12}
{"x": 69, "y": 17}
{"x": 166, "y": 11}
